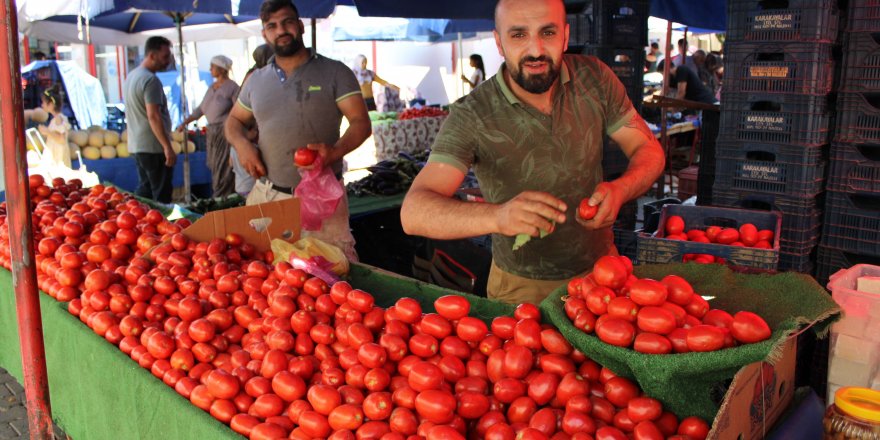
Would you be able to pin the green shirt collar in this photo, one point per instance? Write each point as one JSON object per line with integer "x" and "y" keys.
{"x": 511, "y": 98}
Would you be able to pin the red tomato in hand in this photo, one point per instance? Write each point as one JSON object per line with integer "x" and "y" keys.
{"x": 586, "y": 211}
{"x": 304, "y": 157}
{"x": 748, "y": 328}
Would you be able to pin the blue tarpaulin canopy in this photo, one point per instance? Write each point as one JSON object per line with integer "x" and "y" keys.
{"x": 84, "y": 97}
{"x": 693, "y": 13}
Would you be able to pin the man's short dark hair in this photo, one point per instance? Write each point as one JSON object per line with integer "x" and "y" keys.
{"x": 270, "y": 7}
{"x": 155, "y": 44}
{"x": 654, "y": 45}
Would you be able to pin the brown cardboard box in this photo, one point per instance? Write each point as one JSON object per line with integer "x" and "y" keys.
{"x": 758, "y": 395}
{"x": 257, "y": 224}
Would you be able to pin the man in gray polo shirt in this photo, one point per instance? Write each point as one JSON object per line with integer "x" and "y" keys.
{"x": 298, "y": 101}
{"x": 149, "y": 124}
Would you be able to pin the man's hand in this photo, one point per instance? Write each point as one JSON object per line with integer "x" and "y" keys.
{"x": 609, "y": 198}
{"x": 170, "y": 157}
{"x": 180, "y": 128}
{"x": 529, "y": 213}
{"x": 327, "y": 154}
{"x": 251, "y": 161}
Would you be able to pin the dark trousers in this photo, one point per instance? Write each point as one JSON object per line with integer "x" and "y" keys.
{"x": 706, "y": 175}
{"x": 154, "y": 178}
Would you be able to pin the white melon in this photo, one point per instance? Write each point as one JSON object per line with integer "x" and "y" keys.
{"x": 95, "y": 128}
{"x": 176, "y": 147}
{"x": 108, "y": 152}
{"x": 178, "y": 136}
{"x": 96, "y": 139}
{"x": 111, "y": 138}
{"x": 124, "y": 136}
{"x": 79, "y": 137}
{"x": 190, "y": 147}
{"x": 91, "y": 153}
{"x": 28, "y": 115}
{"x": 122, "y": 150}
{"x": 74, "y": 148}
{"x": 39, "y": 115}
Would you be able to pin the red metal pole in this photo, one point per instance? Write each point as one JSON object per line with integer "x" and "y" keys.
{"x": 27, "y": 50}
{"x": 24, "y": 275}
{"x": 92, "y": 69}
{"x": 118, "y": 72}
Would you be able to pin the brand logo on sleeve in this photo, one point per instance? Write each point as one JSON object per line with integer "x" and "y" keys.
{"x": 314, "y": 88}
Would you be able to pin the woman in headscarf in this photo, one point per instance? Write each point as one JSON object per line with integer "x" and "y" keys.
{"x": 365, "y": 78}
{"x": 215, "y": 107}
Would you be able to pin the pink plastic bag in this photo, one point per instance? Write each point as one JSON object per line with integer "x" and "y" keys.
{"x": 319, "y": 192}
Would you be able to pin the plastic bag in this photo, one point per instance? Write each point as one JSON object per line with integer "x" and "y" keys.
{"x": 319, "y": 192}
{"x": 322, "y": 254}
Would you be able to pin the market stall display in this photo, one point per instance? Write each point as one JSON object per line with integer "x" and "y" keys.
{"x": 413, "y": 131}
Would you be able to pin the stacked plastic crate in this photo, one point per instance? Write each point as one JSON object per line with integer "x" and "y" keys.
{"x": 616, "y": 32}
{"x": 776, "y": 113}
{"x": 851, "y": 233}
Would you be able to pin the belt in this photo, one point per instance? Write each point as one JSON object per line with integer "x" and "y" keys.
{"x": 284, "y": 189}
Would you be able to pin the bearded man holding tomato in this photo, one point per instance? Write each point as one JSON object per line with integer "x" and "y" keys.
{"x": 298, "y": 101}
{"x": 533, "y": 135}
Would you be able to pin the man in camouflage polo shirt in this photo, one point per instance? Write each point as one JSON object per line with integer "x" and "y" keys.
{"x": 533, "y": 135}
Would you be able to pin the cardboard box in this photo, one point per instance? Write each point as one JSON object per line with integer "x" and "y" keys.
{"x": 757, "y": 397}
{"x": 257, "y": 224}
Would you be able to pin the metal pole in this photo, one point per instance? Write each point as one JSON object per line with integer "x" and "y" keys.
{"x": 315, "y": 36}
{"x": 26, "y": 44}
{"x": 664, "y": 136}
{"x": 24, "y": 270}
{"x": 187, "y": 197}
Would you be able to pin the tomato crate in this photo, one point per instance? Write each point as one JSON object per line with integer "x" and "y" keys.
{"x": 654, "y": 248}
{"x": 801, "y": 68}
{"x": 801, "y": 218}
{"x": 687, "y": 182}
{"x": 769, "y": 168}
{"x": 852, "y": 222}
{"x": 796, "y": 20}
{"x": 830, "y": 260}
{"x": 858, "y": 118}
{"x": 864, "y": 16}
{"x": 855, "y": 168}
{"x": 625, "y": 241}
{"x": 781, "y": 119}
{"x": 861, "y": 63}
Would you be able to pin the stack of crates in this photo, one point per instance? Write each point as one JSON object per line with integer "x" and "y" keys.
{"x": 616, "y": 32}
{"x": 851, "y": 233}
{"x": 772, "y": 147}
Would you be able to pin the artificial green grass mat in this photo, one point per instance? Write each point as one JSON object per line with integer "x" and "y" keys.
{"x": 685, "y": 382}
{"x": 96, "y": 391}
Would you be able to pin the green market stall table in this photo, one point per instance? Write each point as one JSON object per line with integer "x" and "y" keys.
{"x": 409, "y": 135}
{"x": 122, "y": 172}
{"x": 99, "y": 393}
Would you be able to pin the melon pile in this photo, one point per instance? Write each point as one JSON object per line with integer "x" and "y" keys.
{"x": 97, "y": 143}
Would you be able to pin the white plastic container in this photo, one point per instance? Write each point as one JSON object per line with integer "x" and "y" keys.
{"x": 854, "y": 355}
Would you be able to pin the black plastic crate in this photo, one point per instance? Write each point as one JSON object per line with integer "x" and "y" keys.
{"x": 801, "y": 218}
{"x": 786, "y": 119}
{"x": 620, "y": 22}
{"x": 861, "y": 62}
{"x": 626, "y": 217}
{"x": 625, "y": 241}
{"x": 795, "y": 20}
{"x": 626, "y": 62}
{"x": 864, "y": 16}
{"x": 852, "y": 222}
{"x": 855, "y": 168}
{"x": 858, "y": 118}
{"x": 830, "y": 260}
{"x": 802, "y": 68}
{"x": 655, "y": 248}
{"x": 769, "y": 168}
{"x": 803, "y": 263}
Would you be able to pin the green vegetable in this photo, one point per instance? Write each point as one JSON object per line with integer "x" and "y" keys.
{"x": 522, "y": 239}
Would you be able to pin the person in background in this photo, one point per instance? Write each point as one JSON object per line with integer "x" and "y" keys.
{"x": 149, "y": 123}
{"x": 298, "y": 101}
{"x": 653, "y": 58}
{"x": 365, "y": 78}
{"x": 706, "y": 76}
{"x": 39, "y": 56}
{"x": 479, "y": 74}
{"x": 215, "y": 108}
{"x": 533, "y": 134}
{"x": 716, "y": 68}
{"x": 57, "y": 151}
{"x": 687, "y": 85}
{"x": 244, "y": 182}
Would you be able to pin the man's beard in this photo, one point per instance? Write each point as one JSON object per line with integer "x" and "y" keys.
{"x": 286, "y": 50}
{"x": 536, "y": 84}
